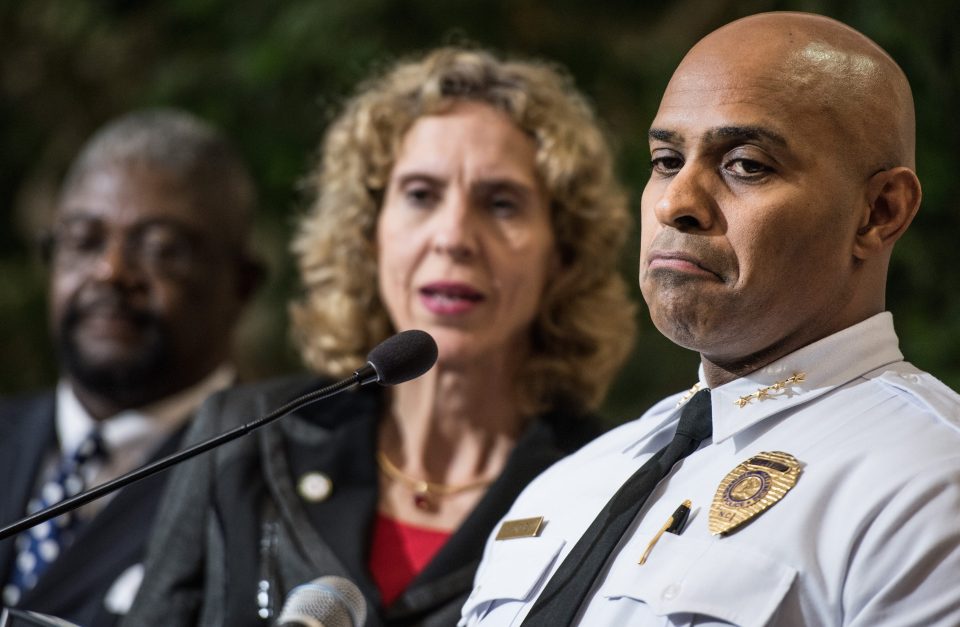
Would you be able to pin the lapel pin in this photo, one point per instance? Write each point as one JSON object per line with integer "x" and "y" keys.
{"x": 314, "y": 487}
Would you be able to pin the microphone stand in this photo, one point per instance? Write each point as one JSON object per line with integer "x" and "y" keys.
{"x": 364, "y": 375}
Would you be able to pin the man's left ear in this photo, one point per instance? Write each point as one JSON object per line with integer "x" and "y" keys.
{"x": 893, "y": 198}
{"x": 252, "y": 274}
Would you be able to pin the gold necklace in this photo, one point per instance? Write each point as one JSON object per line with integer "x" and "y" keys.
{"x": 425, "y": 493}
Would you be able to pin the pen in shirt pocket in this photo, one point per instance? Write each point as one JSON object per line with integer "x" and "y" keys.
{"x": 674, "y": 525}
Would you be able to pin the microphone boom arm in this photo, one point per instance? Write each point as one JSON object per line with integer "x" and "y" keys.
{"x": 360, "y": 377}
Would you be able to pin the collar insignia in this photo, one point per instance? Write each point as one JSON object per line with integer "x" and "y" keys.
{"x": 778, "y": 388}
{"x": 689, "y": 393}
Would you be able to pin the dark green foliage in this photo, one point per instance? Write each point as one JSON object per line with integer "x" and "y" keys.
{"x": 272, "y": 73}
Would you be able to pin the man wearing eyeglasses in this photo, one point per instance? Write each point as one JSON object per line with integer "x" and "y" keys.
{"x": 149, "y": 272}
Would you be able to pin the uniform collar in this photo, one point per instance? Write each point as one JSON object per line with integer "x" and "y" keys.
{"x": 824, "y": 365}
{"x": 803, "y": 375}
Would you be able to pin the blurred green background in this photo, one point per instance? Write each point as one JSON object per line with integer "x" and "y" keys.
{"x": 270, "y": 74}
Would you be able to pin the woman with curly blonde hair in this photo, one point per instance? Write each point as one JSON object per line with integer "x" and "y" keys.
{"x": 470, "y": 197}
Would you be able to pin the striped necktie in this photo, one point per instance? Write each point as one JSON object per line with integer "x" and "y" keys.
{"x": 39, "y": 546}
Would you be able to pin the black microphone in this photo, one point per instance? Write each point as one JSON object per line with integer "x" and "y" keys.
{"x": 324, "y": 602}
{"x": 399, "y": 358}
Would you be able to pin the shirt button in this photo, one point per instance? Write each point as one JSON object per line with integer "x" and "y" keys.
{"x": 670, "y": 592}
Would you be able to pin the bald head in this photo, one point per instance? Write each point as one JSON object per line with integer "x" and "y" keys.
{"x": 817, "y": 67}
{"x": 197, "y": 161}
{"x": 782, "y": 155}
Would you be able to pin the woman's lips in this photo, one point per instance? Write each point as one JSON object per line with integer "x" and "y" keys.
{"x": 444, "y": 298}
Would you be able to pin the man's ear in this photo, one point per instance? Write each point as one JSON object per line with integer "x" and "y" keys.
{"x": 893, "y": 197}
{"x": 252, "y": 274}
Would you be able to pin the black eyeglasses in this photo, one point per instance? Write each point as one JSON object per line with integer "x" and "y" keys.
{"x": 155, "y": 247}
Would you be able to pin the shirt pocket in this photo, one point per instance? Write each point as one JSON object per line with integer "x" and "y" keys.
{"x": 702, "y": 578}
{"x": 513, "y": 572}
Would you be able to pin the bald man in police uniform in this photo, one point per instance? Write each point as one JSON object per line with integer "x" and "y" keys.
{"x": 829, "y": 492}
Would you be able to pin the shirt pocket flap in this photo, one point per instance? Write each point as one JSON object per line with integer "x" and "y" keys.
{"x": 703, "y": 577}
{"x": 514, "y": 569}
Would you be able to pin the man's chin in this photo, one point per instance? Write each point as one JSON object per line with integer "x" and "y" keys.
{"x": 685, "y": 326}
{"x": 113, "y": 378}
{"x": 113, "y": 371}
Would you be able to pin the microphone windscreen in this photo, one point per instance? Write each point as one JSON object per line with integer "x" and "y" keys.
{"x": 404, "y": 356}
{"x": 324, "y": 602}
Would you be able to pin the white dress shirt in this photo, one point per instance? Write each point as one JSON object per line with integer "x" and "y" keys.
{"x": 131, "y": 436}
{"x": 869, "y": 535}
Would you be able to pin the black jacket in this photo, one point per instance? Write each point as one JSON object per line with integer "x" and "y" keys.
{"x": 211, "y": 549}
{"x": 74, "y": 586}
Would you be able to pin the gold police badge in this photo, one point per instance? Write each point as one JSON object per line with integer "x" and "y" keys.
{"x": 750, "y": 488}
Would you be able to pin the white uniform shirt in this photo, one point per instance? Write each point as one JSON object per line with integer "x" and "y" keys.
{"x": 869, "y": 535}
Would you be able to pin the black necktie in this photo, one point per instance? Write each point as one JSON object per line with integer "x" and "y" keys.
{"x": 564, "y": 594}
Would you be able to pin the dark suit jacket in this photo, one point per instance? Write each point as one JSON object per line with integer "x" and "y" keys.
{"x": 208, "y": 553}
{"x": 73, "y": 587}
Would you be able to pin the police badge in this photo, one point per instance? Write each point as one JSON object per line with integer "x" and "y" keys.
{"x": 750, "y": 488}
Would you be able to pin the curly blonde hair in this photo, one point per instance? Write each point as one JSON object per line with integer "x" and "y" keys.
{"x": 585, "y": 326}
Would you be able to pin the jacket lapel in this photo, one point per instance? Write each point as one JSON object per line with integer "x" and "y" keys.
{"x": 333, "y": 532}
{"x": 26, "y": 434}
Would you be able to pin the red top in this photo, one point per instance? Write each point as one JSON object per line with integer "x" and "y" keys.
{"x": 399, "y": 552}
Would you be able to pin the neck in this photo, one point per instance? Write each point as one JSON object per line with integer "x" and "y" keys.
{"x": 101, "y": 405}
{"x": 721, "y": 370}
{"x": 120, "y": 396}
{"x": 451, "y": 426}
{"x": 718, "y": 373}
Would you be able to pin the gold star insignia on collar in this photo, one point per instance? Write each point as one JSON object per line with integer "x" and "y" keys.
{"x": 689, "y": 394}
{"x": 764, "y": 393}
